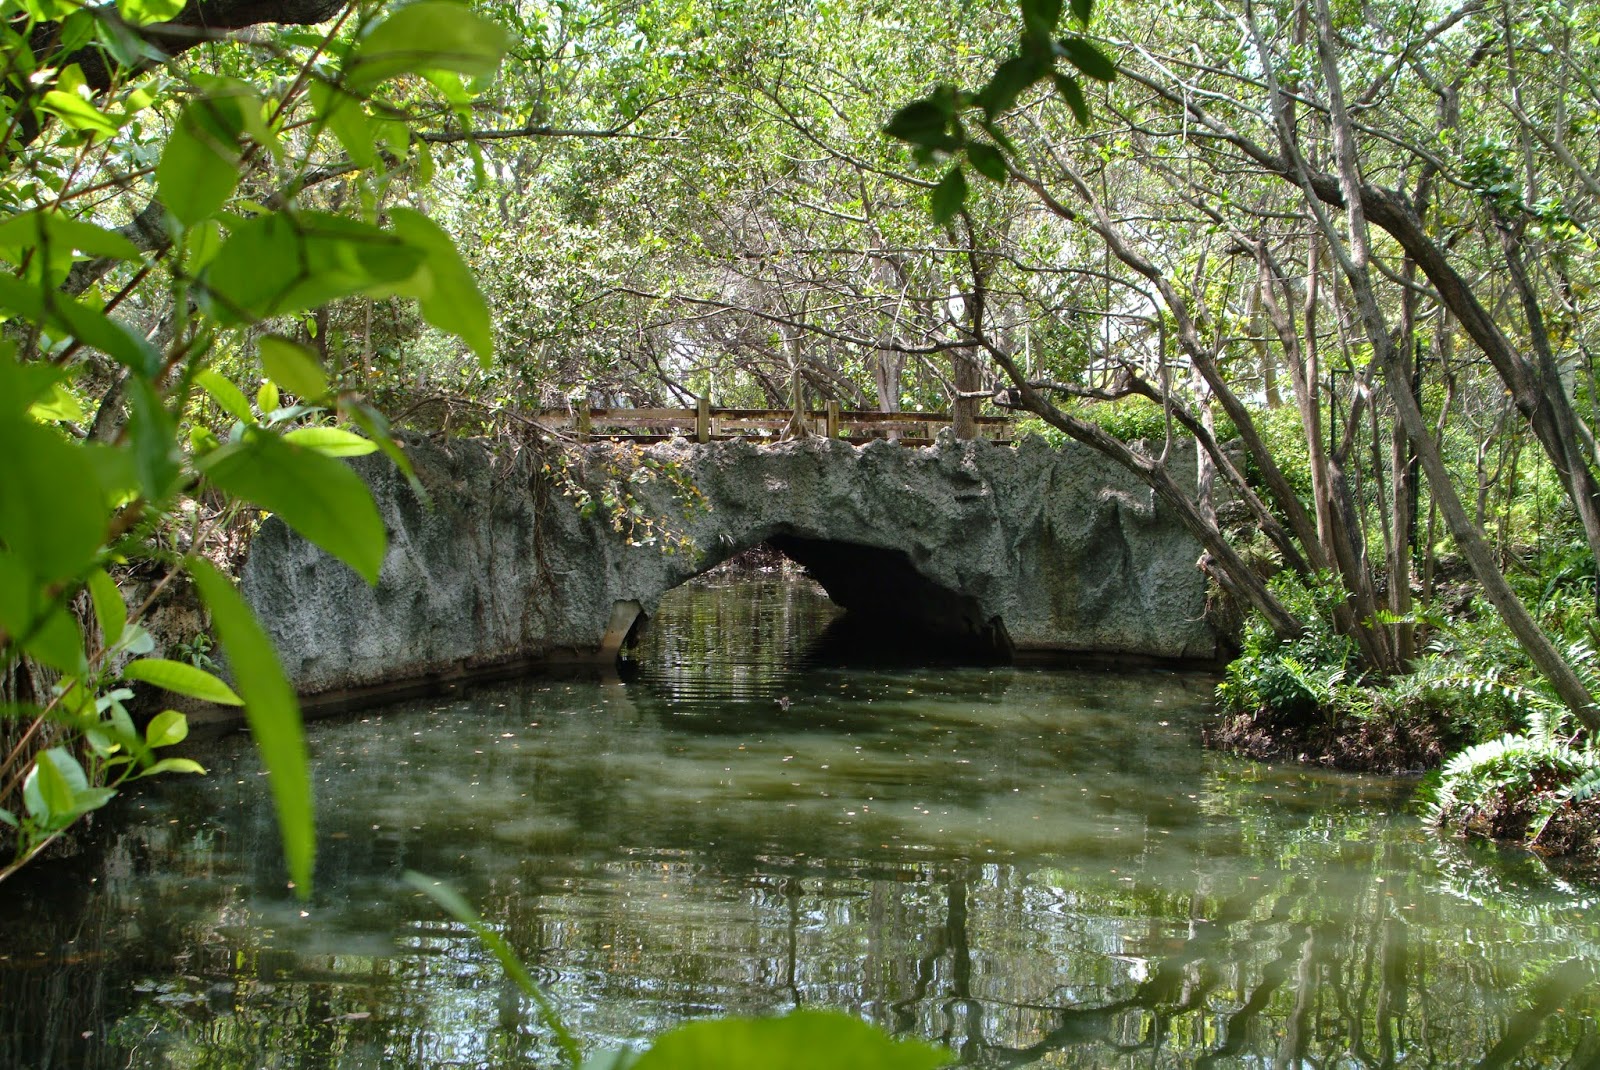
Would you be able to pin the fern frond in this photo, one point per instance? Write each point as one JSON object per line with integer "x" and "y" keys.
{"x": 1585, "y": 787}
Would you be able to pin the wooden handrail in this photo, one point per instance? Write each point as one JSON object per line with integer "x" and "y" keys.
{"x": 706, "y": 423}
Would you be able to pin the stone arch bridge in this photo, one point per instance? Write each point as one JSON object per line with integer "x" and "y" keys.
{"x": 1005, "y": 551}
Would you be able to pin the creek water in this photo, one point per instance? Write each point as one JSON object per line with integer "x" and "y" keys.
{"x": 1033, "y": 867}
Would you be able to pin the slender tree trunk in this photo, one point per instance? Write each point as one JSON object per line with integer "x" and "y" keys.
{"x": 1222, "y": 562}
{"x": 1402, "y": 485}
{"x": 968, "y": 381}
{"x": 1264, "y": 357}
{"x": 1204, "y": 360}
{"x": 1564, "y": 438}
{"x": 1205, "y": 471}
{"x": 1476, "y": 549}
{"x": 799, "y": 425}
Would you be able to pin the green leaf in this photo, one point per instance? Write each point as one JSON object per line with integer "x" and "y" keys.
{"x": 110, "y": 611}
{"x": 173, "y": 765}
{"x": 1083, "y": 10}
{"x": 145, "y": 12}
{"x": 346, "y": 116}
{"x": 37, "y": 618}
{"x": 46, "y": 10}
{"x": 1008, "y": 82}
{"x": 268, "y": 399}
{"x": 430, "y": 35}
{"x": 201, "y": 244}
{"x": 1072, "y": 93}
{"x": 200, "y": 167}
{"x": 91, "y": 799}
{"x": 120, "y": 721}
{"x": 63, "y": 236}
{"x": 293, "y": 367}
{"x": 7, "y": 817}
{"x": 117, "y": 731}
{"x": 279, "y": 263}
{"x": 319, "y": 497}
{"x": 804, "y": 1040}
{"x": 949, "y": 195}
{"x": 59, "y": 406}
{"x": 446, "y": 292}
{"x": 58, "y": 643}
{"x": 23, "y": 385}
{"x": 77, "y": 113}
{"x": 182, "y": 679}
{"x": 332, "y": 441}
{"x": 273, "y": 714}
{"x": 1087, "y": 58}
{"x": 370, "y": 420}
{"x": 51, "y": 515}
{"x": 77, "y": 28}
{"x": 1041, "y": 16}
{"x": 153, "y": 441}
{"x": 987, "y": 160}
{"x": 113, "y": 471}
{"x": 94, "y": 328}
{"x": 28, "y": 611}
{"x": 168, "y": 727}
{"x": 226, "y": 394}
{"x": 89, "y": 325}
{"x": 921, "y": 122}
{"x": 52, "y": 787}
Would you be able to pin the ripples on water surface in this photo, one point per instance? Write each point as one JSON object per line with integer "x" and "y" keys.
{"x": 1033, "y": 867}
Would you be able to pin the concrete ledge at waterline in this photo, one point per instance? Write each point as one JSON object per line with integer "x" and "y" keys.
{"x": 1062, "y": 548}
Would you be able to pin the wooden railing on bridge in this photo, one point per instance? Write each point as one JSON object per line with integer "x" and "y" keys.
{"x": 707, "y": 424}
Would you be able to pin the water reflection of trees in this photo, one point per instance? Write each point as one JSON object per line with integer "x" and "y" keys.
{"x": 1285, "y": 969}
{"x": 1299, "y": 923}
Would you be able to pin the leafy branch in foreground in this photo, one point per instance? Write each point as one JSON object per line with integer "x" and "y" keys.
{"x": 934, "y": 127}
{"x": 174, "y": 452}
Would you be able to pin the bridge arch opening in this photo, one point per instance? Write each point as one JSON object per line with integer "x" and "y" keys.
{"x": 892, "y": 612}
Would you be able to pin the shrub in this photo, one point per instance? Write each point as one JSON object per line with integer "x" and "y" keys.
{"x": 1317, "y": 674}
{"x": 1510, "y": 788}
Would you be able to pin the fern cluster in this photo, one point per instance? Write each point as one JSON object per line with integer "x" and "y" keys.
{"x": 1539, "y": 764}
{"x": 1544, "y": 770}
{"x": 1316, "y": 674}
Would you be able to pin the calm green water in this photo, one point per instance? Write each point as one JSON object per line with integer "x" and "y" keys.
{"x": 1036, "y": 868}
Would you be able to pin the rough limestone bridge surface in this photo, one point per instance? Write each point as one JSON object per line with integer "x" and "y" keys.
{"x": 1005, "y": 551}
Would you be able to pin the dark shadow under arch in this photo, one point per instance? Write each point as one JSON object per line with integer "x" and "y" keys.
{"x": 890, "y": 606}
{"x": 892, "y": 611}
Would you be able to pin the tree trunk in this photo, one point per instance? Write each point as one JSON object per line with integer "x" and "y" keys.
{"x": 968, "y": 381}
{"x": 1221, "y": 562}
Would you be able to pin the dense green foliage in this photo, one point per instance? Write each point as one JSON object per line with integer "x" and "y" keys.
{"x": 131, "y": 441}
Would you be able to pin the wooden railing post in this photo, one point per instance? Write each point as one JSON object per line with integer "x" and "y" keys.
{"x": 833, "y": 419}
{"x": 581, "y": 418}
{"x": 702, "y": 420}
